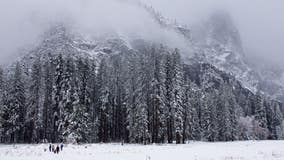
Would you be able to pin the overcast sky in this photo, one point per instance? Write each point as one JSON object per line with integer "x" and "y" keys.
{"x": 260, "y": 22}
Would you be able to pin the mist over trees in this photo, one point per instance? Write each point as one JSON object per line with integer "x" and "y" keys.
{"x": 148, "y": 96}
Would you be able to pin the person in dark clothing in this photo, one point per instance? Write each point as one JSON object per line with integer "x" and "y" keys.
{"x": 53, "y": 148}
{"x": 61, "y": 146}
{"x": 57, "y": 149}
{"x": 49, "y": 147}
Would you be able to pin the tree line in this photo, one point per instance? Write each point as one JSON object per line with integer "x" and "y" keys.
{"x": 145, "y": 96}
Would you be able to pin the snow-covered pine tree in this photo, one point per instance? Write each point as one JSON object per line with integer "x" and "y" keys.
{"x": 84, "y": 90}
{"x": 78, "y": 125}
{"x": 137, "y": 118}
{"x": 141, "y": 133}
{"x": 131, "y": 87}
{"x": 4, "y": 117}
{"x": 213, "y": 123}
{"x": 16, "y": 107}
{"x": 48, "y": 74}
{"x": 177, "y": 95}
{"x": 274, "y": 119}
{"x": 195, "y": 113}
{"x": 233, "y": 115}
{"x": 206, "y": 121}
{"x": 278, "y": 121}
{"x": 118, "y": 97}
{"x": 205, "y": 102}
{"x": 260, "y": 115}
{"x": 269, "y": 117}
{"x": 83, "y": 73}
{"x": 34, "y": 109}
{"x": 187, "y": 107}
{"x": 103, "y": 102}
{"x": 57, "y": 98}
{"x": 251, "y": 108}
{"x": 93, "y": 102}
{"x": 168, "y": 97}
{"x": 68, "y": 99}
{"x": 158, "y": 119}
{"x": 223, "y": 114}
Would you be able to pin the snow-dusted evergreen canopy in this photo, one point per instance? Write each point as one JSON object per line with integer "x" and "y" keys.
{"x": 75, "y": 89}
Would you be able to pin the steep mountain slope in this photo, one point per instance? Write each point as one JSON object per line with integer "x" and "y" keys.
{"x": 218, "y": 42}
{"x": 220, "y": 45}
{"x": 60, "y": 39}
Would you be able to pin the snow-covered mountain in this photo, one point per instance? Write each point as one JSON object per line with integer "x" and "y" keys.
{"x": 218, "y": 42}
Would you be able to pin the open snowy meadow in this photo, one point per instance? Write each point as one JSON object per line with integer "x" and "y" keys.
{"x": 247, "y": 150}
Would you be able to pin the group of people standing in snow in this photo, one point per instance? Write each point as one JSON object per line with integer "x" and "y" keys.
{"x": 56, "y": 149}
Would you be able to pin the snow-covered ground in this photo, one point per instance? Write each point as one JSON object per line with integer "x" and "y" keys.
{"x": 247, "y": 150}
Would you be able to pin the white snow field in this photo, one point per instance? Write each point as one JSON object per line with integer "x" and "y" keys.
{"x": 247, "y": 150}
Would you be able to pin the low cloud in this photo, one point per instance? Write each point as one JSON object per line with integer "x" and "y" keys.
{"x": 259, "y": 21}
